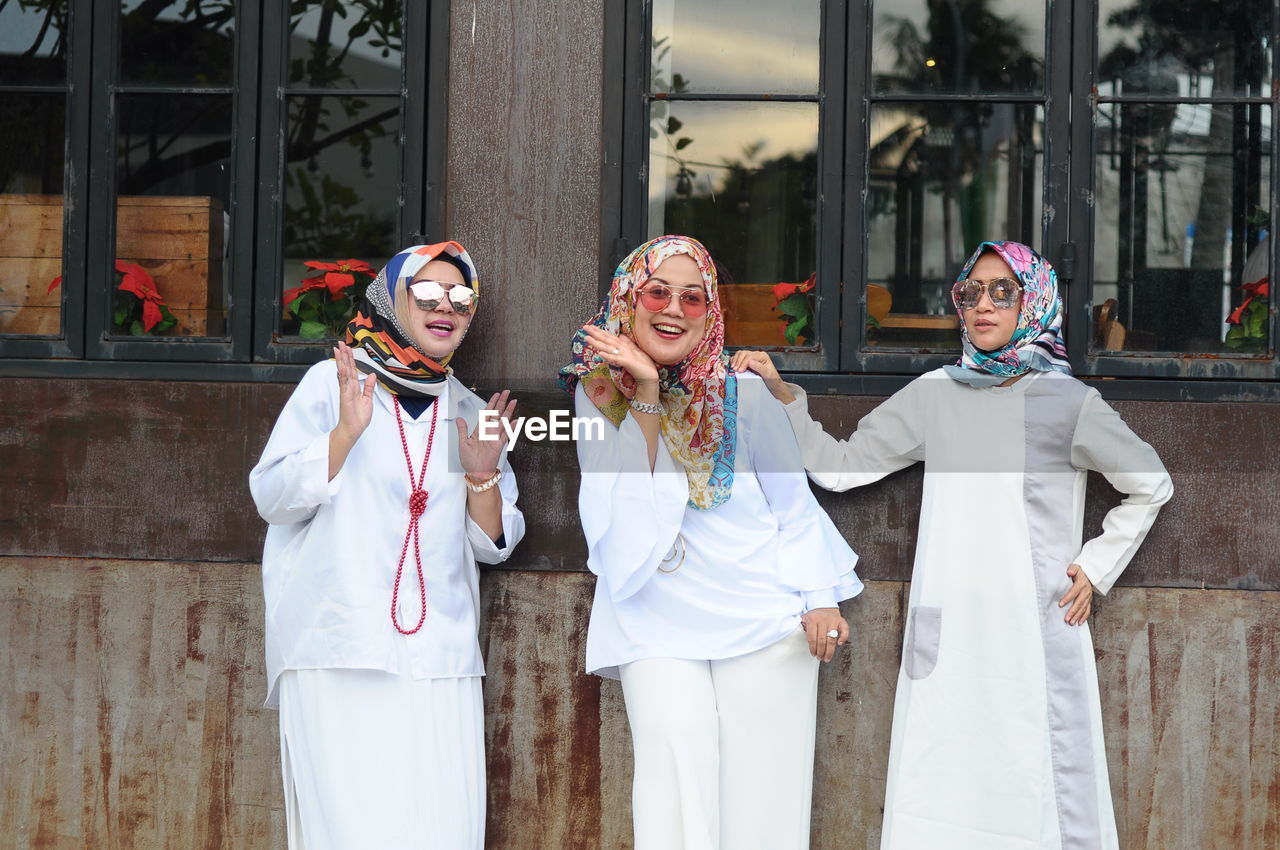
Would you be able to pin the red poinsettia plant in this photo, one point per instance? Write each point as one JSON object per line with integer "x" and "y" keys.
{"x": 794, "y": 302}
{"x": 138, "y": 308}
{"x": 1250, "y": 318}
{"x": 325, "y": 302}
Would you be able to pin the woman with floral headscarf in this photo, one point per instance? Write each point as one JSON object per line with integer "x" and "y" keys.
{"x": 997, "y": 724}
{"x": 719, "y": 576}
{"x": 381, "y": 498}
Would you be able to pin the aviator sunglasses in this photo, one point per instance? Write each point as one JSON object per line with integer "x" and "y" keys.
{"x": 1003, "y": 292}
{"x": 656, "y": 296}
{"x": 430, "y": 294}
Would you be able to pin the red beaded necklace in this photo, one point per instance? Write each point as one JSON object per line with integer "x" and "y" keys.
{"x": 417, "y": 506}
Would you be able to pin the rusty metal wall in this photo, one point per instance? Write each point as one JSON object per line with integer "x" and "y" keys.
{"x": 132, "y": 717}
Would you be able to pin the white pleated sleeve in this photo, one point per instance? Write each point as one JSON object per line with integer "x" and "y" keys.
{"x": 887, "y": 439}
{"x": 1103, "y": 443}
{"x": 816, "y": 560}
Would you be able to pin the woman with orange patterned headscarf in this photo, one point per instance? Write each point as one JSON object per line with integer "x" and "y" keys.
{"x": 380, "y": 500}
{"x": 718, "y": 575}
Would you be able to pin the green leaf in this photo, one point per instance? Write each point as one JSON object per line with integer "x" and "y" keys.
{"x": 795, "y": 305}
{"x": 673, "y": 125}
{"x": 790, "y": 333}
{"x": 678, "y": 82}
{"x": 313, "y": 330}
{"x": 683, "y": 142}
{"x": 135, "y": 329}
{"x": 873, "y": 324}
{"x": 121, "y": 316}
{"x": 802, "y": 325}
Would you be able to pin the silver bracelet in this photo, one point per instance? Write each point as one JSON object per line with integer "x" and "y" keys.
{"x": 480, "y": 488}
{"x": 645, "y": 407}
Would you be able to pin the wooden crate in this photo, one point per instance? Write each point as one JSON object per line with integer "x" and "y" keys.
{"x": 177, "y": 240}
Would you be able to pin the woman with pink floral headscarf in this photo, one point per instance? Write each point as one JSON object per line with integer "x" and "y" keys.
{"x": 997, "y": 723}
{"x": 719, "y": 576}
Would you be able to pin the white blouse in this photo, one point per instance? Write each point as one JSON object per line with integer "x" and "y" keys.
{"x": 751, "y": 566}
{"x": 332, "y": 546}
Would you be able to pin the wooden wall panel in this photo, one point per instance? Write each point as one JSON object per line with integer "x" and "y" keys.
{"x": 524, "y": 179}
{"x": 73, "y": 454}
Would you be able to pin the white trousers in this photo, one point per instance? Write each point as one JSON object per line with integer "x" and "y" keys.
{"x": 372, "y": 759}
{"x": 723, "y": 749}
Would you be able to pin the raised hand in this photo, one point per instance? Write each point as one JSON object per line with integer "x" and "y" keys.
{"x": 479, "y": 456}
{"x": 355, "y": 394}
{"x": 621, "y": 351}
{"x": 762, "y": 365}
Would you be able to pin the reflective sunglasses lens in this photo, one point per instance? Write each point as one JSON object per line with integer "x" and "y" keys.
{"x": 1004, "y": 292}
{"x": 428, "y": 293}
{"x": 462, "y": 299}
{"x": 966, "y": 293}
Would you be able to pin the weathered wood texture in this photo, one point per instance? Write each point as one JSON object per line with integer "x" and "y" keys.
{"x": 132, "y": 710}
{"x": 74, "y": 453}
{"x": 524, "y": 178}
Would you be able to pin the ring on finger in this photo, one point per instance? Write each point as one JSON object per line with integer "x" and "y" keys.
{"x": 833, "y": 634}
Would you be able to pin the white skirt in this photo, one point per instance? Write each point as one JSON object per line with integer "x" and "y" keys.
{"x": 375, "y": 759}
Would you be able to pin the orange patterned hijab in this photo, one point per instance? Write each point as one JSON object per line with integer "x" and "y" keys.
{"x": 381, "y": 344}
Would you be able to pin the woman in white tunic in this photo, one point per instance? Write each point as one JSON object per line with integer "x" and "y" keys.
{"x": 381, "y": 500}
{"x": 997, "y": 726}
{"x": 718, "y": 574}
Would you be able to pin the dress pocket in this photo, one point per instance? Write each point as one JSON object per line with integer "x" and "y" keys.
{"x": 924, "y": 631}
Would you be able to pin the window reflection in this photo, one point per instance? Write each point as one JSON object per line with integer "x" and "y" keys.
{"x": 741, "y": 178}
{"x": 943, "y": 177}
{"x": 355, "y": 44}
{"x": 759, "y": 46}
{"x": 990, "y": 46}
{"x": 33, "y": 42}
{"x": 1181, "y": 227}
{"x": 173, "y": 182}
{"x": 341, "y": 194}
{"x": 31, "y": 213}
{"x": 177, "y": 43}
{"x": 1184, "y": 47}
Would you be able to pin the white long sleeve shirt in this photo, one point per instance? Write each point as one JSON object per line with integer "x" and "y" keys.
{"x": 751, "y": 566}
{"x": 332, "y": 547}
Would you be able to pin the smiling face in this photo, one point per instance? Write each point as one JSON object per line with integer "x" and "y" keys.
{"x": 669, "y": 336}
{"x": 436, "y": 332}
{"x": 990, "y": 327}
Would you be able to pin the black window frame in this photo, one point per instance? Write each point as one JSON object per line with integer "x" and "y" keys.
{"x": 251, "y": 349}
{"x": 1071, "y": 51}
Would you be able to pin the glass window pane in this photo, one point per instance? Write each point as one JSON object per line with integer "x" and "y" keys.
{"x": 1193, "y": 48}
{"x": 173, "y": 216}
{"x": 33, "y": 42}
{"x": 182, "y": 42}
{"x": 355, "y": 44}
{"x": 752, "y": 47}
{"x": 990, "y": 46}
{"x": 943, "y": 177}
{"x": 342, "y": 198}
{"x": 1182, "y": 206}
{"x": 31, "y": 192}
{"x": 742, "y": 178}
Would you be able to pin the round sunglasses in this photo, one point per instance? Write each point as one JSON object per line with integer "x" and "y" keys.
{"x": 430, "y": 294}
{"x": 1004, "y": 293}
{"x": 655, "y": 297}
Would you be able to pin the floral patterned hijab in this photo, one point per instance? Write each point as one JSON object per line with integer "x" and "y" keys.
{"x": 699, "y": 396}
{"x": 1037, "y": 342}
{"x": 381, "y": 345}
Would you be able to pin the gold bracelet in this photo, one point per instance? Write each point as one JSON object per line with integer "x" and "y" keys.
{"x": 679, "y": 542}
{"x": 484, "y": 485}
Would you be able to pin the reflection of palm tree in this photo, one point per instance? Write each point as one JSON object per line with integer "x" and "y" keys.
{"x": 1228, "y": 39}
{"x": 966, "y": 48}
